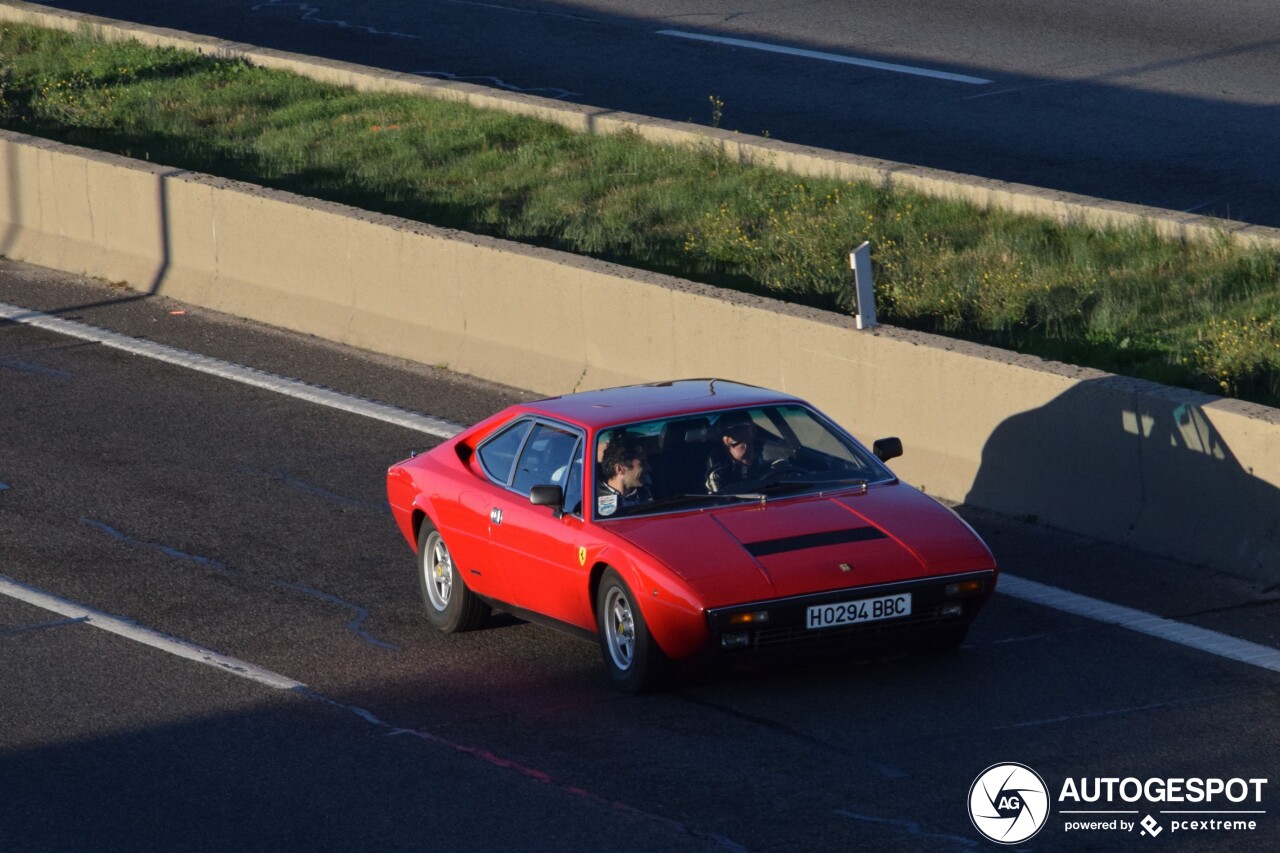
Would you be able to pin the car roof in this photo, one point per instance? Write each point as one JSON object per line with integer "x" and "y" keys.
{"x": 627, "y": 404}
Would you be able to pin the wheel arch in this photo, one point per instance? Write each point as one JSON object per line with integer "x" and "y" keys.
{"x": 417, "y": 516}
{"x": 593, "y": 584}
{"x": 415, "y": 524}
{"x": 677, "y": 628}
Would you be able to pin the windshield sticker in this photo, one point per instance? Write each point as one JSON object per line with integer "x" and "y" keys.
{"x": 607, "y": 504}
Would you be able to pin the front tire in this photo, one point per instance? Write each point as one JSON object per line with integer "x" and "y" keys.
{"x": 633, "y": 660}
{"x": 451, "y": 606}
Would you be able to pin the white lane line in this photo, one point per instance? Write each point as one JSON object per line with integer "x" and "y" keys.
{"x": 1222, "y": 645}
{"x": 235, "y": 372}
{"x": 830, "y": 57}
{"x": 146, "y": 636}
{"x": 1181, "y": 633}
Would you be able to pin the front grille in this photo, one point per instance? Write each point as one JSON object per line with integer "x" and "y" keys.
{"x": 786, "y": 632}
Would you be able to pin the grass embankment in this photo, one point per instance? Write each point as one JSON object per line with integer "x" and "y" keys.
{"x": 1202, "y": 316}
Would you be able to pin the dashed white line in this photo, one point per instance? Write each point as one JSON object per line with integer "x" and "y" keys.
{"x": 235, "y": 372}
{"x": 146, "y": 636}
{"x": 829, "y": 57}
{"x": 77, "y": 614}
{"x": 1191, "y": 636}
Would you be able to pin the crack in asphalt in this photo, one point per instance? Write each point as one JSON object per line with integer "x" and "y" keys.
{"x": 911, "y": 827}
{"x": 354, "y": 625}
{"x": 308, "y": 13}
{"x": 1229, "y": 608}
{"x": 523, "y": 770}
{"x": 164, "y": 549}
{"x": 782, "y": 728}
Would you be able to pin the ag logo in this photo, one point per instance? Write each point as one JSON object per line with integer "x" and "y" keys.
{"x": 1008, "y": 803}
{"x": 582, "y": 556}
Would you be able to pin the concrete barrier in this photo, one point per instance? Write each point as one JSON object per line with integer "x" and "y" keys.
{"x": 1171, "y": 471}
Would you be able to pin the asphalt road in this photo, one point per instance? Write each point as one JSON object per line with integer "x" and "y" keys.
{"x": 1170, "y": 104}
{"x": 253, "y": 524}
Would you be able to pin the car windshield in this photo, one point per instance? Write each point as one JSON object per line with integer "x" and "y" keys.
{"x": 722, "y": 457}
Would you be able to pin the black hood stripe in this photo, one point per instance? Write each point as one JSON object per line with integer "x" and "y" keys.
{"x": 812, "y": 540}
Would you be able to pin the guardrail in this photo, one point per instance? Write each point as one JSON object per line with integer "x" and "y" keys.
{"x": 1171, "y": 471}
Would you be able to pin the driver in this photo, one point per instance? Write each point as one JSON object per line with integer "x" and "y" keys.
{"x": 738, "y": 457}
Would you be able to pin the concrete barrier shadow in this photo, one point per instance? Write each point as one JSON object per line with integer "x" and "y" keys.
{"x": 84, "y": 214}
{"x": 1140, "y": 465}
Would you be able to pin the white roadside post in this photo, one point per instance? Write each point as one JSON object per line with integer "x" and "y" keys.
{"x": 864, "y": 294}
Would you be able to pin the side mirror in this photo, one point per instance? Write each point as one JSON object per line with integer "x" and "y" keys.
{"x": 547, "y": 496}
{"x": 887, "y": 448}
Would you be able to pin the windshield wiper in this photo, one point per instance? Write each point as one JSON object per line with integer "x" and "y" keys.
{"x": 762, "y": 492}
{"x": 775, "y": 486}
{"x": 691, "y": 498}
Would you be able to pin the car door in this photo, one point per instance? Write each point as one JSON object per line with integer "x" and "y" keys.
{"x": 494, "y": 464}
{"x": 536, "y": 548}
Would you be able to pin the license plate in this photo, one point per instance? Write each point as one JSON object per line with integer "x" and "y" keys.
{"x": 866, "y": 610}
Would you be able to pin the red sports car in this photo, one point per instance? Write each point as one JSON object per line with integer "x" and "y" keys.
{"x": 679, "y": 519}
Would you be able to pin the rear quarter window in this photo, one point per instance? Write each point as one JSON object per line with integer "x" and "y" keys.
{"x": 498, "y": 454}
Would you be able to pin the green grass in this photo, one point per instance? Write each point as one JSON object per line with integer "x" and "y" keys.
{"x": 1204, "y": 316}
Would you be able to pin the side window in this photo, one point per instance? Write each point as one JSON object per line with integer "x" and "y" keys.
{"x": 499, "y": 453}
{"x": 545, "y": 458}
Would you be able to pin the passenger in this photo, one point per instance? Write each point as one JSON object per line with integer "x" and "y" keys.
{"x": 737, "y": 460}
{"x": 621, "y": 484}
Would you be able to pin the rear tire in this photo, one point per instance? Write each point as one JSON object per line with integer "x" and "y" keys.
{"x": 451, "y": 606}
{"x": 633, "y": 660}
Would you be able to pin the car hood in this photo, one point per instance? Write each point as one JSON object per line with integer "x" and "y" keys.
{"x": 797, "y": 546}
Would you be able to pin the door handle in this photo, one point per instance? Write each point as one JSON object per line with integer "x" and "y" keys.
{"x": 495, "y": 515}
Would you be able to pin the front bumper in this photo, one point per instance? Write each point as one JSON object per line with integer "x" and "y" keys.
{"x": 933, "y": 610}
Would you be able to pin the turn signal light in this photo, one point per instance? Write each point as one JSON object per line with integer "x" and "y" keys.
{"x": 755, "y": 617}
{"x": 963, "y": 587}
